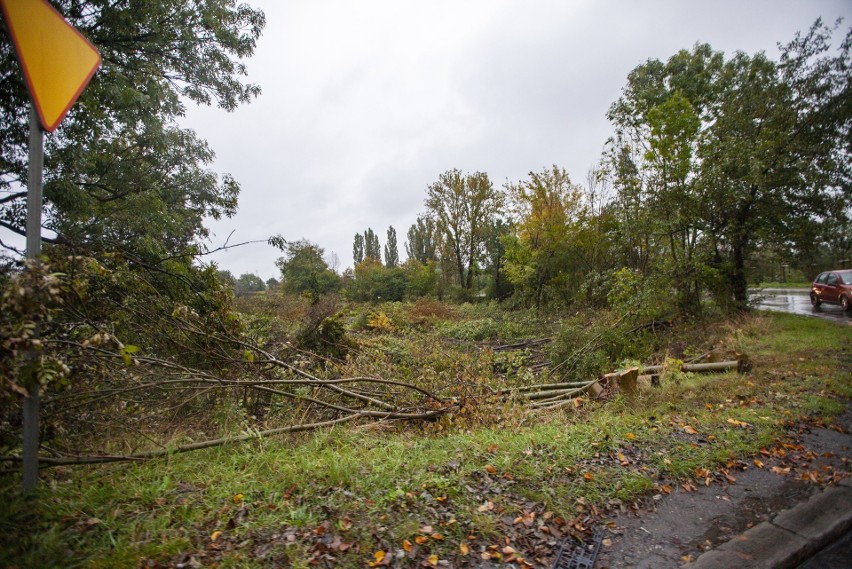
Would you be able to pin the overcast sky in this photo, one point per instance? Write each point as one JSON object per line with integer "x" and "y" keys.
{"x": 365, "y": 103}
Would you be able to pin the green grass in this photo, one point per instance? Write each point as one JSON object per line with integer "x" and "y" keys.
{"x": 374, "y": 488}
{"x": 776, "y": 284}
{"x": 789, "y": 336}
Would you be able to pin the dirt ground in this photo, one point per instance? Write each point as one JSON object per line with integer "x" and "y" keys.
{"x": 668, "y": 531}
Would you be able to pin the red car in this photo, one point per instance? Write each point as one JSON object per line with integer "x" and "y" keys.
{"x": 834, "y": 287}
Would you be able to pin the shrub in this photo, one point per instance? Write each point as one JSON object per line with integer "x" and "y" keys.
{"x": 379, "y": 322}
{"x": 584, "y": 350}
{"x": 375, "y": 282}
{"x": 323, "y": 331}
{"x": 429, "y": 308}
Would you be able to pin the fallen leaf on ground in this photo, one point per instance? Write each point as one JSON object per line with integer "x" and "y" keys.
{"x": 527, "y": 518}
{"x": 379, "y": 557}
{"x": 810, "y": 476}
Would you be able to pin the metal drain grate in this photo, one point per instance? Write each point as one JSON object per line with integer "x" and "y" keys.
{"x": 580, "y": 556}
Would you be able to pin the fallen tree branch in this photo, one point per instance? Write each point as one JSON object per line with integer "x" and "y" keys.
{"x": 558, "y": 393}
{"x": 557, "y": 405}
{"x": 521, "y": 345}
{"x": 147, "y": 455}
{"x": 705, "y": 367}
{"x": 551, "y": 386}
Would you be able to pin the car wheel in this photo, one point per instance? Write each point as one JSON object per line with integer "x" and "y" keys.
{"x": 815, "y": 301}
{"x": 845, "y": 303}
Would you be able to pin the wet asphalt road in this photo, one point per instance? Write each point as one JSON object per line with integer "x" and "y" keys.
{"x": 797, "y": 301}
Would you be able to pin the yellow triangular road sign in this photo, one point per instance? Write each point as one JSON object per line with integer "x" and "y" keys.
{"x": 57, "y": 60}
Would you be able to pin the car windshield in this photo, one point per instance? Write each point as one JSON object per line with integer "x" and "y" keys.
{"x": 845, "y": 276}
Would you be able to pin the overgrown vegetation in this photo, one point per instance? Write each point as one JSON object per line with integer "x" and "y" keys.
{"x": 487, "y": 477}
{"x": 415, "y": 380}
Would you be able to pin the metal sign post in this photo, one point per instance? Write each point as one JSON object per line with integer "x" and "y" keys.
{"x": 58, "y": 63}
{"x": 34, "y": 200}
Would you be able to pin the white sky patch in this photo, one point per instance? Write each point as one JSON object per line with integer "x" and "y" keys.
{"x": 364, "y": 104}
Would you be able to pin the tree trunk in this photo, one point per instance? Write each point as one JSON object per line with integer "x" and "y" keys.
{"x": 739, "y": 286}
{"x": 460, "y": 265}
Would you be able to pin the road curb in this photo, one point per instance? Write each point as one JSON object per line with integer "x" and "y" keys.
{"x": 790, "y": 538}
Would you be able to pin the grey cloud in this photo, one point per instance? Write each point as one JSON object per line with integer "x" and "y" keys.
{"x": 366, "y": 103}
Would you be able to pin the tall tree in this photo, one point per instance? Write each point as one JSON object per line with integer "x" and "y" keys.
{"x": 547, "y": 209}
{"x": 358, "y": 249}
{"x": 499, "y": 234}
{"x": 775, "y": 162}
{"x": 422, "y": 240}
{"x": 372, "y": 247}
{"x": 463, "y": 207}
{"x": 391, "y": 249}
{"x": 658, "y": 123}
{"x": 120, "y": 172}
{"x": 715, "y": 158}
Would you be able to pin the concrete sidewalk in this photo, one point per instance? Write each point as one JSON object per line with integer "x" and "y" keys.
{"x": 765, "y": 517}
{"x": 791, "y": 537}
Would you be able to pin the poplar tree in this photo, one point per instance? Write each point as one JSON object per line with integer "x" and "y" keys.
{"x": 358, "y": 249}
{"x": 372, "y": 247}
{"x": 391, "y": 249}
{"x": 422, "y": 240}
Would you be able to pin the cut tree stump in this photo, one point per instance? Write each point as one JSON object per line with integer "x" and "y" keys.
{"x": 628, "y": 380}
